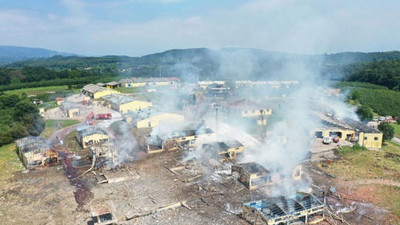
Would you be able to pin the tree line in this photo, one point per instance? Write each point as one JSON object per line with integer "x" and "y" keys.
{"x": 20, "y": 118}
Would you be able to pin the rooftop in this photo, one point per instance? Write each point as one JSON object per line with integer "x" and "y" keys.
{"x": 113, "y": 83}
{"x": 285, "y": 206}
{"x": 32, "y": 143}
{"x": 87, "y": 130}
{"x": 118, "y": 99}
{"x": 252, "y": 167}
{"x": 92, "y": 88}
{"x": 224, "y": 145}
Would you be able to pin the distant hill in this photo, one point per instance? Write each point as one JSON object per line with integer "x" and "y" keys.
{"x": 10, "y": 54}
{"x": 203, "y": 63}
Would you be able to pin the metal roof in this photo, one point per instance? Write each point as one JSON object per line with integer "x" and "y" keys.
{"x": 118, "y": 99}
{"x": 92, "y": 88}
{"x": 32, "y": 143}
{"x": 223, "y": 145}
{"x": 87, "y": 130}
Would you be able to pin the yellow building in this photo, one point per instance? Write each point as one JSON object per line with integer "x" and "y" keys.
{"x": 142, "y": 82}
{"x": 113, "y": 85}
{"x": 95, "y": 91}
{"x": 34, "y": 151}
{"x": 124, "y": 104}
{"x": 145, "y": 119}
{"x": 349, "y": 130}
{"x": 69, "y": 109}
{"x": 254, "y": 175}
{"x": 89, "y": 135}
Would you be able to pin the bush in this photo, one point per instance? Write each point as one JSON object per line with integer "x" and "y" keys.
{"x": 387, "y": 130}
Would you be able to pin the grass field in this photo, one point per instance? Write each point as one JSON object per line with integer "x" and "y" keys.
{"x": 396, "y": 129}
{"x": 358, "y": 164}
{"x": 9, "y": 162}
{"x": 37, "y": 90}
{"x": 131, "y": 90}
{"x": 53, "y": 125}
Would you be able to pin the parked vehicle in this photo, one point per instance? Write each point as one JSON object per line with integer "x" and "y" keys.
{"x": 327, "y": 140}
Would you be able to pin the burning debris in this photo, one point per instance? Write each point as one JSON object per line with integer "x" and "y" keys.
{"x": 285, "y": 210}
{"x": 34, "y": 151}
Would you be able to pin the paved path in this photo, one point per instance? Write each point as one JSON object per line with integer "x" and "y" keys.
{"x": 397, "y": 140}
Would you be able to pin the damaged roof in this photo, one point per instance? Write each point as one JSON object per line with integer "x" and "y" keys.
{"x": 87, "y": 130}
{"x": 118, "y": 99}
{"x": 285, "y": 206}
{"x": 346, "y": 123}
{"x": 224, "y": 145}
{"x": 92, "y": 88}
{"x": 32, "y": 143}
{"x": 252, "y": 167}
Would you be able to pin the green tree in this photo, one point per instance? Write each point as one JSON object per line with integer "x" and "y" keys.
{"x": 364, "y": 112}
{"x": 387, "y": 130}
{"x": 355, "y": 95}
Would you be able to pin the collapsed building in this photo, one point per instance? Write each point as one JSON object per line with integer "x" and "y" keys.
{"x": 70, "y": 110}
{"x": 89, "y": 135}
{"x": 95, "y": 92}
{"x": 302, "y": 207}
{"x": 142, "y": 82}
{"x": 149, "y": 118}
{"x": 179, "y": 140}
{"x": 103, "y": 154}
{"x": 217, "y": 90}
{"x": 348, "y": 130}
{"x": 225, "y": 150}
{"x": 254, "y": 175}
{"x": 124, "y": 104}
{"x": 34, "y": 151}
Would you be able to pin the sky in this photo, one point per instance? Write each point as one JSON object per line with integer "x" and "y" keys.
{"x": 139, "y": 27}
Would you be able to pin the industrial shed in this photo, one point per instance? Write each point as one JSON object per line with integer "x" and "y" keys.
{"x": 349, "y": 130}
{"x": 34, "y": 151}
{"x": 124, "y": 104}
{"x": 254, "y": 175}
{"x": 142, "y": 82}
{"x": 95, "y": 91}
{"x": 113, "y": 84}
{"x": 70, "y": 109}
{"x": 302, "y": 207}
{"x": 89, "y": 135}
{"x": 226, "y": 150}
{"x": 146, "y": 119}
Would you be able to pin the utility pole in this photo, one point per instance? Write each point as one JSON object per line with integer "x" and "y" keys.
{"x": 263, "y": 124}
{"x": 216, "y": 105}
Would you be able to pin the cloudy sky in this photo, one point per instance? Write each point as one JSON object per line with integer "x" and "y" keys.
{"x": 138, "y": 27}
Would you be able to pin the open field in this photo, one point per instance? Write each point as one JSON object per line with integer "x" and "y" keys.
{"x": 37, "y": 90}
{"x": 9, "y": 162}
{"x": 396, "y": 129}
{"x": 53, "y": 125}
{"x": 370, "y": 175}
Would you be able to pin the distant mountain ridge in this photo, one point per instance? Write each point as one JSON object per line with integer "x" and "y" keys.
{"x": 10, "y": 54}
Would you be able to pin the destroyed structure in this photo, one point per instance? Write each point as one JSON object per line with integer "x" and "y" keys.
{"x": 89, "y": 135}
{"x": 302, "y": 207}
{"x": 103, "y": 214}
{"x": 34, "y": 151}
{"x": 178, "y": 140}
{"x": 70, "y": 110}
{"x": 95, "y": 92}
{"x": 349, "y": 130}
{"x": 124, "y": 104}
{"x": 225, "y": 150}
{"x": 142, "y": 82}
{"x": 254, "y": 175}
{"x": 103, "y": 154}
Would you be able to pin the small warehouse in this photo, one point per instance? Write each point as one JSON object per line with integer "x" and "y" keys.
{"x": 301, "y": 208}
{"x": 94, "y": 91}
{"x": 225, "y": 150}
{"x": 124, "y": 104}
{"x": 146, "y": 119}
{"x": 113, "y": 84}
{"x": 254, "y": 175}
{"x": 89, "y": 135}
{"x": 34, "y": 151}
{"x": 70, "y": 110}
{"x": 349, "y": 130}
